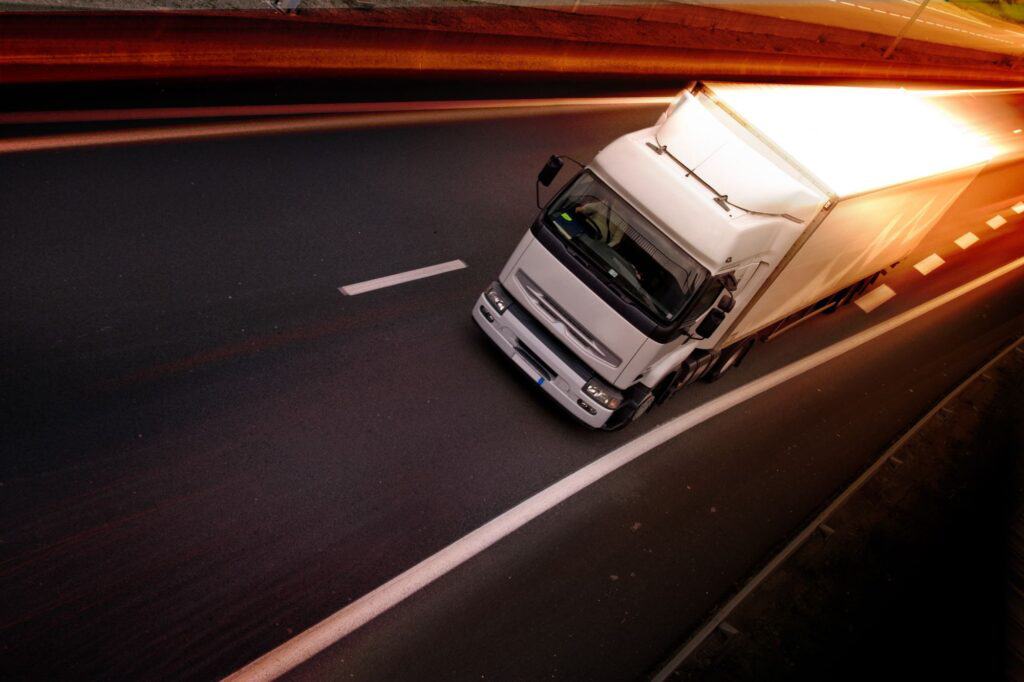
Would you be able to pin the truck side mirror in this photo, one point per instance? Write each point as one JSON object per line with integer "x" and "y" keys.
{"x": 710, "y": 323}
{"x": 726, "y": 303}
{"x": 549, "y": 171}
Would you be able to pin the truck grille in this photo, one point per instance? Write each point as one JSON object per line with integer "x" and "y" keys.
{"x": 573, "y": 329}
{"x": 535, "y": 361}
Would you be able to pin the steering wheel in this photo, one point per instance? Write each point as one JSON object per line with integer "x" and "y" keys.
{"x": 589, "y": 228}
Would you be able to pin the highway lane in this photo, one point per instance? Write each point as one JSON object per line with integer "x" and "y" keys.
{"x": 608, "y": 584}
{"x": 939, "y": 22}
{"x": 605, "y": 585}
{"x": 213, "y": 449}
{"x": 202, "y": 418}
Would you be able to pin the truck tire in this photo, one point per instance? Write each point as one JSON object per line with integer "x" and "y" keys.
{"x": 639, "y": 400}
{"x": 730, "y": 357}
{"x": 646, "y": 403}
{"x": 852, "y": 293}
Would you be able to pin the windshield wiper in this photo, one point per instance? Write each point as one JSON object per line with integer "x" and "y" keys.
{"x": 600, "y": 269}
{"x": 614, "y": 284}
{"x": 630, "y": 295}
{"x": 651, "y": 302}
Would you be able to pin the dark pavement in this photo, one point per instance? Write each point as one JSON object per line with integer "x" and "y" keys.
{"x": 209, "y": 449}
{"x": 918, "y": 560}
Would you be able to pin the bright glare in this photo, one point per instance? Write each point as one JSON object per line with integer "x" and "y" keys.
{"x": 858, "y": 139}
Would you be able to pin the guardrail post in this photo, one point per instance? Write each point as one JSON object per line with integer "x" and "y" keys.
{"x": 903, "y": 31}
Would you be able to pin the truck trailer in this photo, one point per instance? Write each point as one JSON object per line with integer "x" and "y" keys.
{"x": 745, "y": 210}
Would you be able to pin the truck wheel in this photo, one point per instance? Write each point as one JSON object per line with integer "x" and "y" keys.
{"x": 729, "y": 358}
{"x": 856, "y": 290}
{"x": 851, "y": 293}
{"x": 645, "y": 404}
{"x": 638, "y": 401}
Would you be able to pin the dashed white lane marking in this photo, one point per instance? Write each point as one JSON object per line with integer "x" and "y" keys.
{"x": 930, "y": 263}
{"x": 875, "y": 298}
{"x": 966, "y": 240}
{"x": 959, "y": 16}
{"x": 401, "y": 278}
{"x": 996, "y": 221}
{"x": 329, "y": 631}
{"x": 931, "y": 23}
{"x": 1018, "y": 208}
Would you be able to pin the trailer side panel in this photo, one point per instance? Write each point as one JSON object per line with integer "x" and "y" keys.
{"x": 861, "y": 236}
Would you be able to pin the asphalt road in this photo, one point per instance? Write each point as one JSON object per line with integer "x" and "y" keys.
{"x": 208, "y": 448}
{"x": 940, "y": 22}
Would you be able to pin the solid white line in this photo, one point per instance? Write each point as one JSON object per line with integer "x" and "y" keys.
{"x": 698, "y": 638}
{"x": 930, "y": 263}
{"x": 875, "y": 298}
{"x": 307, "y": 644}
{"x": 966, "y": 240}
{"x": 400, "y": 278}
{"x": 996, "y": 221}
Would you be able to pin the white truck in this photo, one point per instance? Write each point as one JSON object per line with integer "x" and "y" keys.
{"x": 745, "y": 210}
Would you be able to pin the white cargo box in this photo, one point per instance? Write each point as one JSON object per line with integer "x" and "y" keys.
{"x": 887, "y": 162}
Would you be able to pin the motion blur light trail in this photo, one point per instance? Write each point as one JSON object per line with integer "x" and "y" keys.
{"x": 325, "y": 117}
{"x": 149, "y": 113}
{"x": 904, "y": 117}
{"x": 895, "y": 135}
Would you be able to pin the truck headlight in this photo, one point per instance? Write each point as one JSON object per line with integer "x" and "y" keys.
{"x": 602, "y": 395}
{"x": 496, "y": 297}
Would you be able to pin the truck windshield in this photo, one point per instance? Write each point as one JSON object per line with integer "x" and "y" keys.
{"x": 625, "y": 249}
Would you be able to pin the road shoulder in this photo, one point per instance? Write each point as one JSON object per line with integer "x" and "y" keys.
{"x": 909, "y": 575}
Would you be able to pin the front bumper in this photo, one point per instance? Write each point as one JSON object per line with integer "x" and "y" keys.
{"x": 557, "y": 371}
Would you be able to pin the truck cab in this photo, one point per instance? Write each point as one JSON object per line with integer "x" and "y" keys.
{"x": 636, "y": 264}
